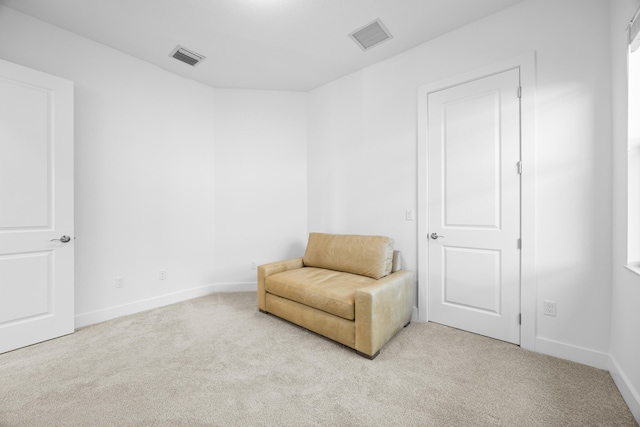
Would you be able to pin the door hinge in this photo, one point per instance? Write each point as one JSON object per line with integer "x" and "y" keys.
{"x": 520, "y": 167}
{"x": 519, "y": 243}
{"x": 520, "y": 319}
{"x": 519, "y": 91}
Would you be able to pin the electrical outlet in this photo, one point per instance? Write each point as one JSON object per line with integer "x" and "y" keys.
{"x": 549, "y": 308}
{"x": 162, "y": 275}
{"x": 120, "y": 282}
{"x": 254, "y": 265}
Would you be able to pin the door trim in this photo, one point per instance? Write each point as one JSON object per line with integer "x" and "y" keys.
{"x": 528, "y": 292}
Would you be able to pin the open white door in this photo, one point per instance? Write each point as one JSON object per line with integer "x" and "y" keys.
{"x": 474, "y": 206}
{"x": 36, "y": 207}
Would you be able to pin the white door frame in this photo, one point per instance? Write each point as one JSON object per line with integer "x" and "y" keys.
{"x": 526, "y": 64}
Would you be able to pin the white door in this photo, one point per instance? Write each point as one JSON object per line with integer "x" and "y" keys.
{"x": 474, "y": 206}
{"x": 36, "y": 207}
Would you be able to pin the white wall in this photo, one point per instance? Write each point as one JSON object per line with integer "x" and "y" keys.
{"x": 361, "y": 156}
{"x": 144, "y": 154}
{"x": 260, "y": 180}
{"x": 625, "y": 316}
{"x": 363, "y": 143}
{"x": 148, "y": 145}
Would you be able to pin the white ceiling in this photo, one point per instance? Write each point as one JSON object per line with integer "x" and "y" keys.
{"x": 258, "y": 44}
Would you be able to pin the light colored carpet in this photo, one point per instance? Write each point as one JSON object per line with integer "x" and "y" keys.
{"x": 217, "y": 361}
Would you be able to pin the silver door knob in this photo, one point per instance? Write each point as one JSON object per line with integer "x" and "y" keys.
{"x": 63, "y": 239}
{"x": 435, "y": 236}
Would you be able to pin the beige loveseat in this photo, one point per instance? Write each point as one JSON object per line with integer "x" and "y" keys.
{"x": 346, "y": 287}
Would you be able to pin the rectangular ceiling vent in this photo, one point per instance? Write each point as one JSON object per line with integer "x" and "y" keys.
{"x": 187, "y": 56}
{"x": 371, "y": 35}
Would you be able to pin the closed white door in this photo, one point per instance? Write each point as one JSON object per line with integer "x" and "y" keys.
{"x": 474, "y": 206}
{"x": 36, "y": 207}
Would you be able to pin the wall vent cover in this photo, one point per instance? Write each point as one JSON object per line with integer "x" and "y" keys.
{"x": 371, "y": 35}
{"x": 187, "y": 56}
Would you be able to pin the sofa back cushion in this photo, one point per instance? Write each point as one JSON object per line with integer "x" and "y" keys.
{"x": 370, "y": 256}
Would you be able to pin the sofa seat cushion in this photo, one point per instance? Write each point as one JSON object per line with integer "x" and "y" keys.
{"x": 327, "y": 290}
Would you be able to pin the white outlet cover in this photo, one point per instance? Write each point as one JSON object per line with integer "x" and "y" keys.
{"x": 549, "y": 308}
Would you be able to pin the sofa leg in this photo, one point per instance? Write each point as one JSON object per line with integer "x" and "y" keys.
{"x": 408, "y": 323}
{"x": 367, "y": 356}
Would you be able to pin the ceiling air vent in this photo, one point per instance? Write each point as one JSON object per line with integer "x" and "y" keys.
{"x": 187, "y": 56}
{"x": 371, "y": 35}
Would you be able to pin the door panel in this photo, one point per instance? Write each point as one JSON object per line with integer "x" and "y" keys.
{"x": 477, "y": 288}
{"x": 474, "y": 206}
{"x": 25, "y": 124}
{"x": 471, "y": 154}
{"x": 36, "y": 206}
{"x": 31, "y": 287}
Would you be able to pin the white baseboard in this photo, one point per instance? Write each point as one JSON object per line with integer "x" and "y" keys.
{"x": 582, "y": 355}
{"x": 628, "y": 392}
{"x": 98, "y": 316}
{"x": 235, "y": 287}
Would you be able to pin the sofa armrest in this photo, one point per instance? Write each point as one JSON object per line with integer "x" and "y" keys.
{"x": 266, "y": 270}
{"x": 382, "y": 309}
